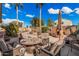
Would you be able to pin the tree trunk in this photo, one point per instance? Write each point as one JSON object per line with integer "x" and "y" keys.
{"x": 40, "y": 19}
{"x": 17, "y": 14}
{"x": 0, "y": 12}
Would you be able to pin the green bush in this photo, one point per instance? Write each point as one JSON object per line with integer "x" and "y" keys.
{"x": 11, "y": 30}
{"x": 44, "y": 29}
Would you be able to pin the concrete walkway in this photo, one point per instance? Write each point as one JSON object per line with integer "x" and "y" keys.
{"x": 68, "y": 51}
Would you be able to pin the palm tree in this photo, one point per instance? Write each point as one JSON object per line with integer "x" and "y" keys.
{"x": 0, "y": 12}
{"x": 40, "y": 4}
{"x": 16, "y": 7}
{"x": 36, "y": 22}
{"x": 78, "y": 26}
{"x": 50, "y": 23}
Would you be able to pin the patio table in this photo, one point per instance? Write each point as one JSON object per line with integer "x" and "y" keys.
{"x": 30, "y": 43}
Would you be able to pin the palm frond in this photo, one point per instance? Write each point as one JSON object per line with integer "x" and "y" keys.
{"x": 17, "y": 5}
{"x": 39, "y": 5}
{"x": 21, "y": 5}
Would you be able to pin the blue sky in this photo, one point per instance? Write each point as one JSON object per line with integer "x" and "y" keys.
{"x": 70, "y": 11}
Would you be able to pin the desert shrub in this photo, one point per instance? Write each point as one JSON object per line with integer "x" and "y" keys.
{"x": 11, "y": 30}
{"x": 44, "y": 29}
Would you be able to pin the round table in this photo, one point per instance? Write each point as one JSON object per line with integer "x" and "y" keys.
{"x": 30, "y": 44}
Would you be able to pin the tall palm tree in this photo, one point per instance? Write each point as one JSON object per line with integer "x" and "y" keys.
{"x": 16, "y": 7}
{"x": 40, "y": 15}
{"x": 50, "y": 23}
{"x": 40, "y": 4}
{"x": 60, "y": 29}
{"x": 36, "y": 22}
{"x": 0, "y": 12}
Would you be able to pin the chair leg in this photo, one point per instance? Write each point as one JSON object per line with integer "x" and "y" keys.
{"x": 57, "y": 51}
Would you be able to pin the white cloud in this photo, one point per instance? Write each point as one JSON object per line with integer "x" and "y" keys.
{"x": 53, "y": 11}
{"x": 19, "y": 11}
{"x": 66, "y": 10}
{"x": 7, "y": 5}
{"x": 7, "y": 21}
{"x": 3, "y": 15}
{"x": 71, "y": 15}
{"x": 28, "y": 15}
{"x": 66, "y": 22}
{"x": 76, "y": 10}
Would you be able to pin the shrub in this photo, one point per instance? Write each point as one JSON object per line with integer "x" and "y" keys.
{"x": 44, "y": 29}
{"x": 11, "y": 30}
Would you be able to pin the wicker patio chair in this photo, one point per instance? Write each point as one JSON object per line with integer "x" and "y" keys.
{"x": 18, "y": 51}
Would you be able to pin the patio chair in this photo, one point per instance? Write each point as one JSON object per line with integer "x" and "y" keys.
{"x": 55, "y": 49}
{"x": 43, "y": 48}
{"x": 51, "y": 49}
{"x": 19, "y": 51}
{"x": 42, "y": 51}
{"x": 5, "y": 49}
{"x": 14, "y": 41}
